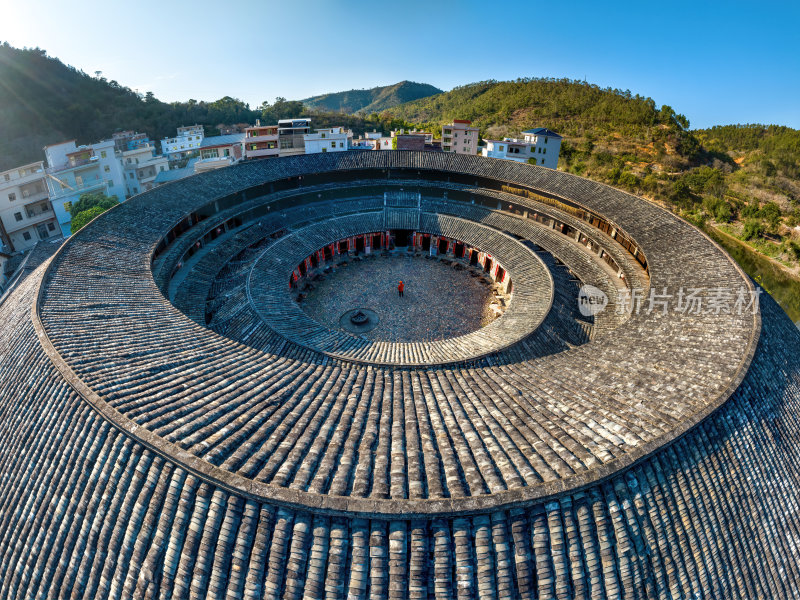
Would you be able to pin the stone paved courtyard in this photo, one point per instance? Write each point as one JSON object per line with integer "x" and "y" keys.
{"x": 439, "y": 301}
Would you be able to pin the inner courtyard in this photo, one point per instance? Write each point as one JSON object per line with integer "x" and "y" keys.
{"x": 442, "y": 298}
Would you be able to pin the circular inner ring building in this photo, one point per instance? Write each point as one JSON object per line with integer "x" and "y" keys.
{"x": 217, "y": 390}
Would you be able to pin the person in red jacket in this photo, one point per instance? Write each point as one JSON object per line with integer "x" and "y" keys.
{"x": 400, "y": 288}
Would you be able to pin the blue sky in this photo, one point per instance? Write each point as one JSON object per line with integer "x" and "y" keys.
{"x": 717, "y": 63}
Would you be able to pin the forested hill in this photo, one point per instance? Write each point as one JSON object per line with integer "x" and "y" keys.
{"x": 776, "y": 149}
{"x": 43, "y": 101}
{"x": 572, "y": 108}
{"x": 739, "y": 180}
{"x": 373, "y": 100}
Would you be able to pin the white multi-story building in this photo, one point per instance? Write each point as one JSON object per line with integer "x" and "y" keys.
{"x": 72, "y": 171}
{"x": 460, "y": 137}
{"x": 333, "y": 139}
{"x": 538, "y": 146}
{"x": 261, "y": 141}
{"x": 140, "y": 167}
{"x": 187, "y": 141}
{"x": 26, "y": 214}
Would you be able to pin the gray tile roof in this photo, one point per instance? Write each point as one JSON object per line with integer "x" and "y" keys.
{"x": 146, "y": 455}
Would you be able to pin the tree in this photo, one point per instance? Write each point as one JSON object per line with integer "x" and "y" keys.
{"x": 753, "y": 229}
{"x": 723, "y": 213}
{"x": 282, "y": 109}
{"x": 90, "y": 200}
{"x": 80, "y": 220}
{"x": 771, "y": 213}
{"x": 629, "y": 180}
{"x": 681, "y": 190}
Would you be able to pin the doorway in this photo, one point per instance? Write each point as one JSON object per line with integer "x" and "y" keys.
{"x": 401, "y": 237}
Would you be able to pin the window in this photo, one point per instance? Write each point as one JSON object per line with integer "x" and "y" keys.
{"x": 68, "y": 206}
{"x": 103, "y": 154}
{"x": 545, "y": 140}
{"x": 341, "y": 144}
{"x": 45, "y": 207}
{"x": 540, "y": 150}
{"x": 18, "y": 216}
{"x": 500, "y": 148}
{"x": 544, "y": 151}
{"x": 324, "y": 149}
{"x": 161, "y": 168}
{"x": 130, "y": 175}
{"x": 12, "y": 197}
{"x": 26, "y": 236}
{"x": 51, "y": 226}
{"x": 106, "y": 168}
{"x": 322, "y": 136}
{"x": 7, "y": 177}
{"x": 333, "y": 144}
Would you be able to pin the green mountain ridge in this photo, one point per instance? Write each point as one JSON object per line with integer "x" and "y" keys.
{"x": 43, "y": 101}
{"x": 740, "y": 180}
{"x": 371, "y": 100}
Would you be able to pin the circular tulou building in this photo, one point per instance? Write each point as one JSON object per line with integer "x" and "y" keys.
{"x": 214, "y": 390}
